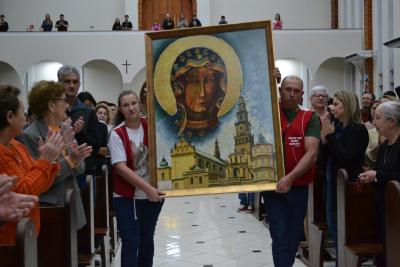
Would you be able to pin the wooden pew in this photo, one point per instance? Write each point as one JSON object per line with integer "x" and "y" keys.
{"x": 57, "y": 241}
{"x": 101, "y": 217}
{"x": 114, "y": 239}
{"x": 86, "y": 234}
{"x": 317, "y": 226}
{"x": 358, "y": 237}
{"x": 392, "y": 224}
{"x": 24, "y": 253}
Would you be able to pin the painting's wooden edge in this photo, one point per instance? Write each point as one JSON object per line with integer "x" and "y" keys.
{"x": 149, "y": 38}
{"x": 220, "y": 190}
{"x": 206, "y": 30}
{"x": 151, "y": 110}
{"x": 275, "y": 103}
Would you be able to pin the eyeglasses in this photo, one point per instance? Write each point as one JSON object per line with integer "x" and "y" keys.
{"x": 65, "y": 100}
{"x": 319, "y": 96}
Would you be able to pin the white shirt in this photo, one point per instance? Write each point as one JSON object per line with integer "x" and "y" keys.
{"x": 140, "y": 154}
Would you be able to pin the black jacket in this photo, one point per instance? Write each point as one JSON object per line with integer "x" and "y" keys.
{"x": 4, "y": 26}
{"x": 348, "y": 151}
{"x": 89, "y": 133}
{"x": 168, "y": 24}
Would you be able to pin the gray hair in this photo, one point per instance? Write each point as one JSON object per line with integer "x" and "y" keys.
{"x": 391, "y": 110}
{"x": 292, "y": 77}
{"x": 317, "y": 89}
{"x": 67, "y": 70}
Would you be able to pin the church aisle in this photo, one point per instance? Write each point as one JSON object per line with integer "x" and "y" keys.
{"x": 207, "y": 231}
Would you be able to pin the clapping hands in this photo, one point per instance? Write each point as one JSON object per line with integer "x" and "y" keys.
{"x": 79, "y": 153}
{"x": 51, "y": 148}
{"x": 327, "y": 127}
{"x": 13, "y": 206}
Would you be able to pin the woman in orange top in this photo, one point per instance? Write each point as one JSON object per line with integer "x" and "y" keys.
{"x": 33, "y": 177}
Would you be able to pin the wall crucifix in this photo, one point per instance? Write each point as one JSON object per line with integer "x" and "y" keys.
{"x": 126, "y": 66}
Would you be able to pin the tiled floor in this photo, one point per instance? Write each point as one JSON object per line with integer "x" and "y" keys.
{"x": 207, "y": 231}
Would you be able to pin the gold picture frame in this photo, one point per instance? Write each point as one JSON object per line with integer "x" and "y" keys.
{"x": 213, "y": 112}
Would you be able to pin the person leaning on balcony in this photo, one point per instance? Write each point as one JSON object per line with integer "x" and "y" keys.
{"x": 47, "y": 24}
{"x": 3, "y": 24}
{"x": 168, "y": 23}
{"x": 127, "y": 25}
{"x": 62, "y": 24}
{"x": 117, "y": 25}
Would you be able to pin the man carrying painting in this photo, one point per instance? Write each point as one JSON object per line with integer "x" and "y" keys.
{"x": 287, "y": 206}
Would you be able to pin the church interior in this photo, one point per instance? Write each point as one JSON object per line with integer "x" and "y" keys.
{"x": 350, "y": 45}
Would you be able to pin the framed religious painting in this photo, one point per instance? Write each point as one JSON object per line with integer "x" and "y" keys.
{"x": 213, "y": 110}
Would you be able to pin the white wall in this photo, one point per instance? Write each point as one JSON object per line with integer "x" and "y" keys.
{"x": 46, "y": 70}
{"x": 81, "y": 15}
{"x": 74, "y": 48}
{"x": 295, "y": 67}
{"x": 386, "y": 17}
{"x": 137, "y": 82}
{"x": 396, "y": 33}
{"x": 298, "y": 14}
{"x": 102, "y": 79}
{"x": 336, "y": 74}
{"x": 8, "y": 74}
{"x": 312, "y": 47}
{"x": 315, "y": 46}
{"x": 204, "y": 9}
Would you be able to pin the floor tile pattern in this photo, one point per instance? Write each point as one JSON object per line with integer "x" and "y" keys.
{"x": 207, "y": 231}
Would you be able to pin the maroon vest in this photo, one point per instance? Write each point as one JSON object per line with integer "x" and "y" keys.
{"x": 121, "y": 186}
{"x": 294, "y": 134}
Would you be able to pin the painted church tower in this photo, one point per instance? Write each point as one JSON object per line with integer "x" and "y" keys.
{"x": 239, "y": 162}
{"x": 244, "y": 140}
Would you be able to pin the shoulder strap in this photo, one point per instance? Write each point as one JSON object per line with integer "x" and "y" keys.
{"x": 123, "y": 134}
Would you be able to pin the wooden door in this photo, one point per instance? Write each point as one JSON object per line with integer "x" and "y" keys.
{"x": 152, "y": 10}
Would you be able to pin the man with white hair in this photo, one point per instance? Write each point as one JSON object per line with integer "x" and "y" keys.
{"x": 69, "y": 77}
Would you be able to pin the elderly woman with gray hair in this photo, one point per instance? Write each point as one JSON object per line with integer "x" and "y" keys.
{"x": 319, "y": 96}
{"x": 387, "y": 168}
{"x": 319, "y": 104}
{"x": 49, "y": 103}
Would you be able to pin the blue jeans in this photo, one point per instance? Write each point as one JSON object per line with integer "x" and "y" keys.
{"x": 247, "y": 199}
{"x": 137, "y": 235}
{"x": 286, "y": 213}
{"x": 331, "y": 203}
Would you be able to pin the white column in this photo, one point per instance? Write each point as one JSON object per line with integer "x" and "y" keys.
{"x": 385, "y": 49}
{"x": 203, "y": 12}
{"x": 377, "y": 45}
{"x": 342, "y": 13}
{"x": 131, "y": 9}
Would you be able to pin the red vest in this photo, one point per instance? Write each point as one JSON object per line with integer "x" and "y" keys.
{"x": 121, "y": 186}
{"x": 294, "y": 134}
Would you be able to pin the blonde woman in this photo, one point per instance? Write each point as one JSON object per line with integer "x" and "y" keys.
{"x": 345, "y": 140}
